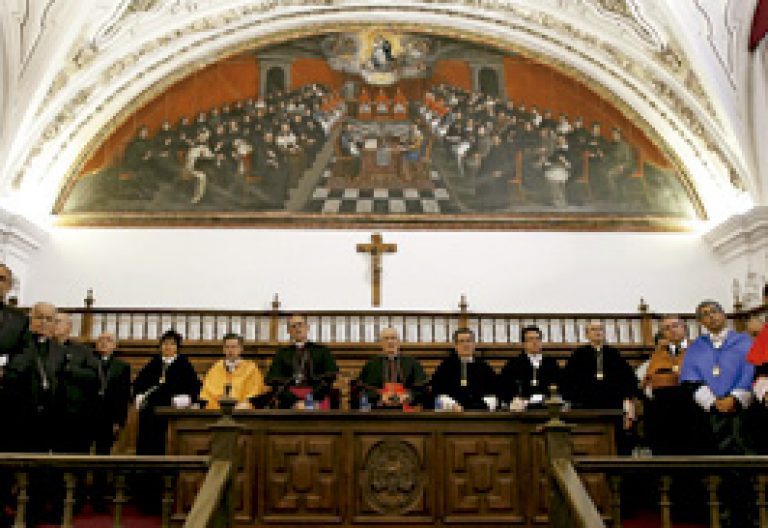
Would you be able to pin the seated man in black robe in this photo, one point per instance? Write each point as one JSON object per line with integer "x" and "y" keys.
{"x": 466, "y": 379}
{"x": 525, "y": 379}
{"x": 301, "y": 368}
{"x": 392, "y": 380}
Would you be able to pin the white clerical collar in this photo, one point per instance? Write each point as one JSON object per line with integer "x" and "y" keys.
{"x": 106, "y": 357}
{"x": 300, "y": 344}
{"x": 467, "y": 359}
{"x": 719, "y": 338}
{"x": 598, "y": 348}
{"x": 231, "y": 364}
{"x": 683, "y": 345}
{"x": 169, "y": 360}
{"x": 535, "y": 359}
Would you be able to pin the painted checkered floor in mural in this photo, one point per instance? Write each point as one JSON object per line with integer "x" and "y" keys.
{"x": 378, "y": 200}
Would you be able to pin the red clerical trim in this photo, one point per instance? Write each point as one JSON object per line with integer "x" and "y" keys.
{"x": 759, "y": 24}
{"x": 758, "y": 354}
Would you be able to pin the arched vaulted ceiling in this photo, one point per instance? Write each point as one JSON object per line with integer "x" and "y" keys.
{"x": 118, "y": 57}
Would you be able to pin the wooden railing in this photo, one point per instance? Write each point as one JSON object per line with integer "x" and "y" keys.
{"x": 73, "y": 469}
{"x": 712, "y": 470}
{"x": 363, "y": 326}
{"x": 213, "y": 506}
{"x": 571, "y": 506}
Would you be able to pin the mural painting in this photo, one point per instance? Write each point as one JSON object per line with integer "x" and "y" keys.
{"x": 367, "y": 126}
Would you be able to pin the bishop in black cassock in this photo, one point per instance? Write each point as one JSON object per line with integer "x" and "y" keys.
{"x": 392, "y": 368}
{"x": 302, "y": 364}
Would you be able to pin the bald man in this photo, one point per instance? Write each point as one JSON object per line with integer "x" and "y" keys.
{"x": 32, "y": 379}
{"x": 391, "y": 379}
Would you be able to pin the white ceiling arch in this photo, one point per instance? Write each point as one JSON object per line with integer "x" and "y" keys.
{"x": 130, "y": 53}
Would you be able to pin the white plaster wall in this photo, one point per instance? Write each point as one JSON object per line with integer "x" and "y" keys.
{"x": 242, "y": 269}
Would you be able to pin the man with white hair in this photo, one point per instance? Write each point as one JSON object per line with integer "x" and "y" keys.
{"x": 32, "y": 378}
{"x": 392, "y": 379}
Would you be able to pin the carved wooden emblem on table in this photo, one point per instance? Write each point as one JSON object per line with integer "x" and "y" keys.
{"x": 302, "y": 476}
{"x": 393, "y": 478}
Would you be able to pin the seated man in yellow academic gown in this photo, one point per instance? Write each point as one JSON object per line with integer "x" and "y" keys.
{"x": 242, "y": 375}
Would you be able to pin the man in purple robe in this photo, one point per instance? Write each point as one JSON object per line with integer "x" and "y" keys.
{"x": 720, "y": 378}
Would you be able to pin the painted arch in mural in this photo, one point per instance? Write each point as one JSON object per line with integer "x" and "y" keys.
{"x": 381, "y": 128}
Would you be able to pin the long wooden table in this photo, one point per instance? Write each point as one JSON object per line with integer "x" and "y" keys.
{"x": 387, "y": 469}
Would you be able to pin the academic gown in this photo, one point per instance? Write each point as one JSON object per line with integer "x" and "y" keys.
{"x": 582, "y": 386}
{"x": 517, "y": 377}
{"x": 723, "y": 370}
{"x": 290, "y": 368}
{"x": 180, "y": 378}
{"x": 409, "y": 373}
{"x": 246, "y": 381}
{"x": 114, "y": 399}
{"x": 671, "y": 417}
{"x": 758, "y": 414}
{"x": 479, "y": 376}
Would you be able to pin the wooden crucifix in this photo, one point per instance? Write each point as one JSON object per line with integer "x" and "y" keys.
{"x": 376, "y": 248}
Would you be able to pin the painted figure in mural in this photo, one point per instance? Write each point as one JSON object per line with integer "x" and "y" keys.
{"x": 381, "y": 53}
{"x": 620, "y": 165}
{"x": 557, "y": 170}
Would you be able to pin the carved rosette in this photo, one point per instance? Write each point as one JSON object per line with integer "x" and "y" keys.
{"x": 391, "y": 479}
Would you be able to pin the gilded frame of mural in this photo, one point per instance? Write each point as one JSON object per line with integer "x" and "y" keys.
{"x": 379, "y": 128}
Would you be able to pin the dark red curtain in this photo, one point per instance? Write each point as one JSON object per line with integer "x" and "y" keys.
{"x": 759, "y": 24}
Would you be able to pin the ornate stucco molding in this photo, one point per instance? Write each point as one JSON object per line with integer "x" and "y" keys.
{"x": 159, "y": 42}
{"x": 740, "y": 235}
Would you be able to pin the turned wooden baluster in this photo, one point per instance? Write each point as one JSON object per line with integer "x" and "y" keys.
{"x": 69, "y": 499}
{"x": 762, "y": 513}
{"x": 167, "y": 500}
{"x": 119, "y": 500}
{"x": 22, "y": 499}
{"x": 713, "y": 482}
{"x": 615, "y": 484}
{"x": 665, "y": 503}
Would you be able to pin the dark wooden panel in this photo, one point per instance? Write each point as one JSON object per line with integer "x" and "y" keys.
{"x": 381, "y": 469}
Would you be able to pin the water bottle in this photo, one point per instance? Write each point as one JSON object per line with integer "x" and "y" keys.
{"x": 365, "y": 405}
{"x": 438, "y": 403}
{"x": 309, "y": 402}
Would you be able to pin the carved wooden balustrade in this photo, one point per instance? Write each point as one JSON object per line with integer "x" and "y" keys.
{"x": 361, "y": 327}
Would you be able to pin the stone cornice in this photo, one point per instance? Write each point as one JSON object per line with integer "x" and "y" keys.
{"x": 19, "y": 236}
{"x": 740, "y": 235}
